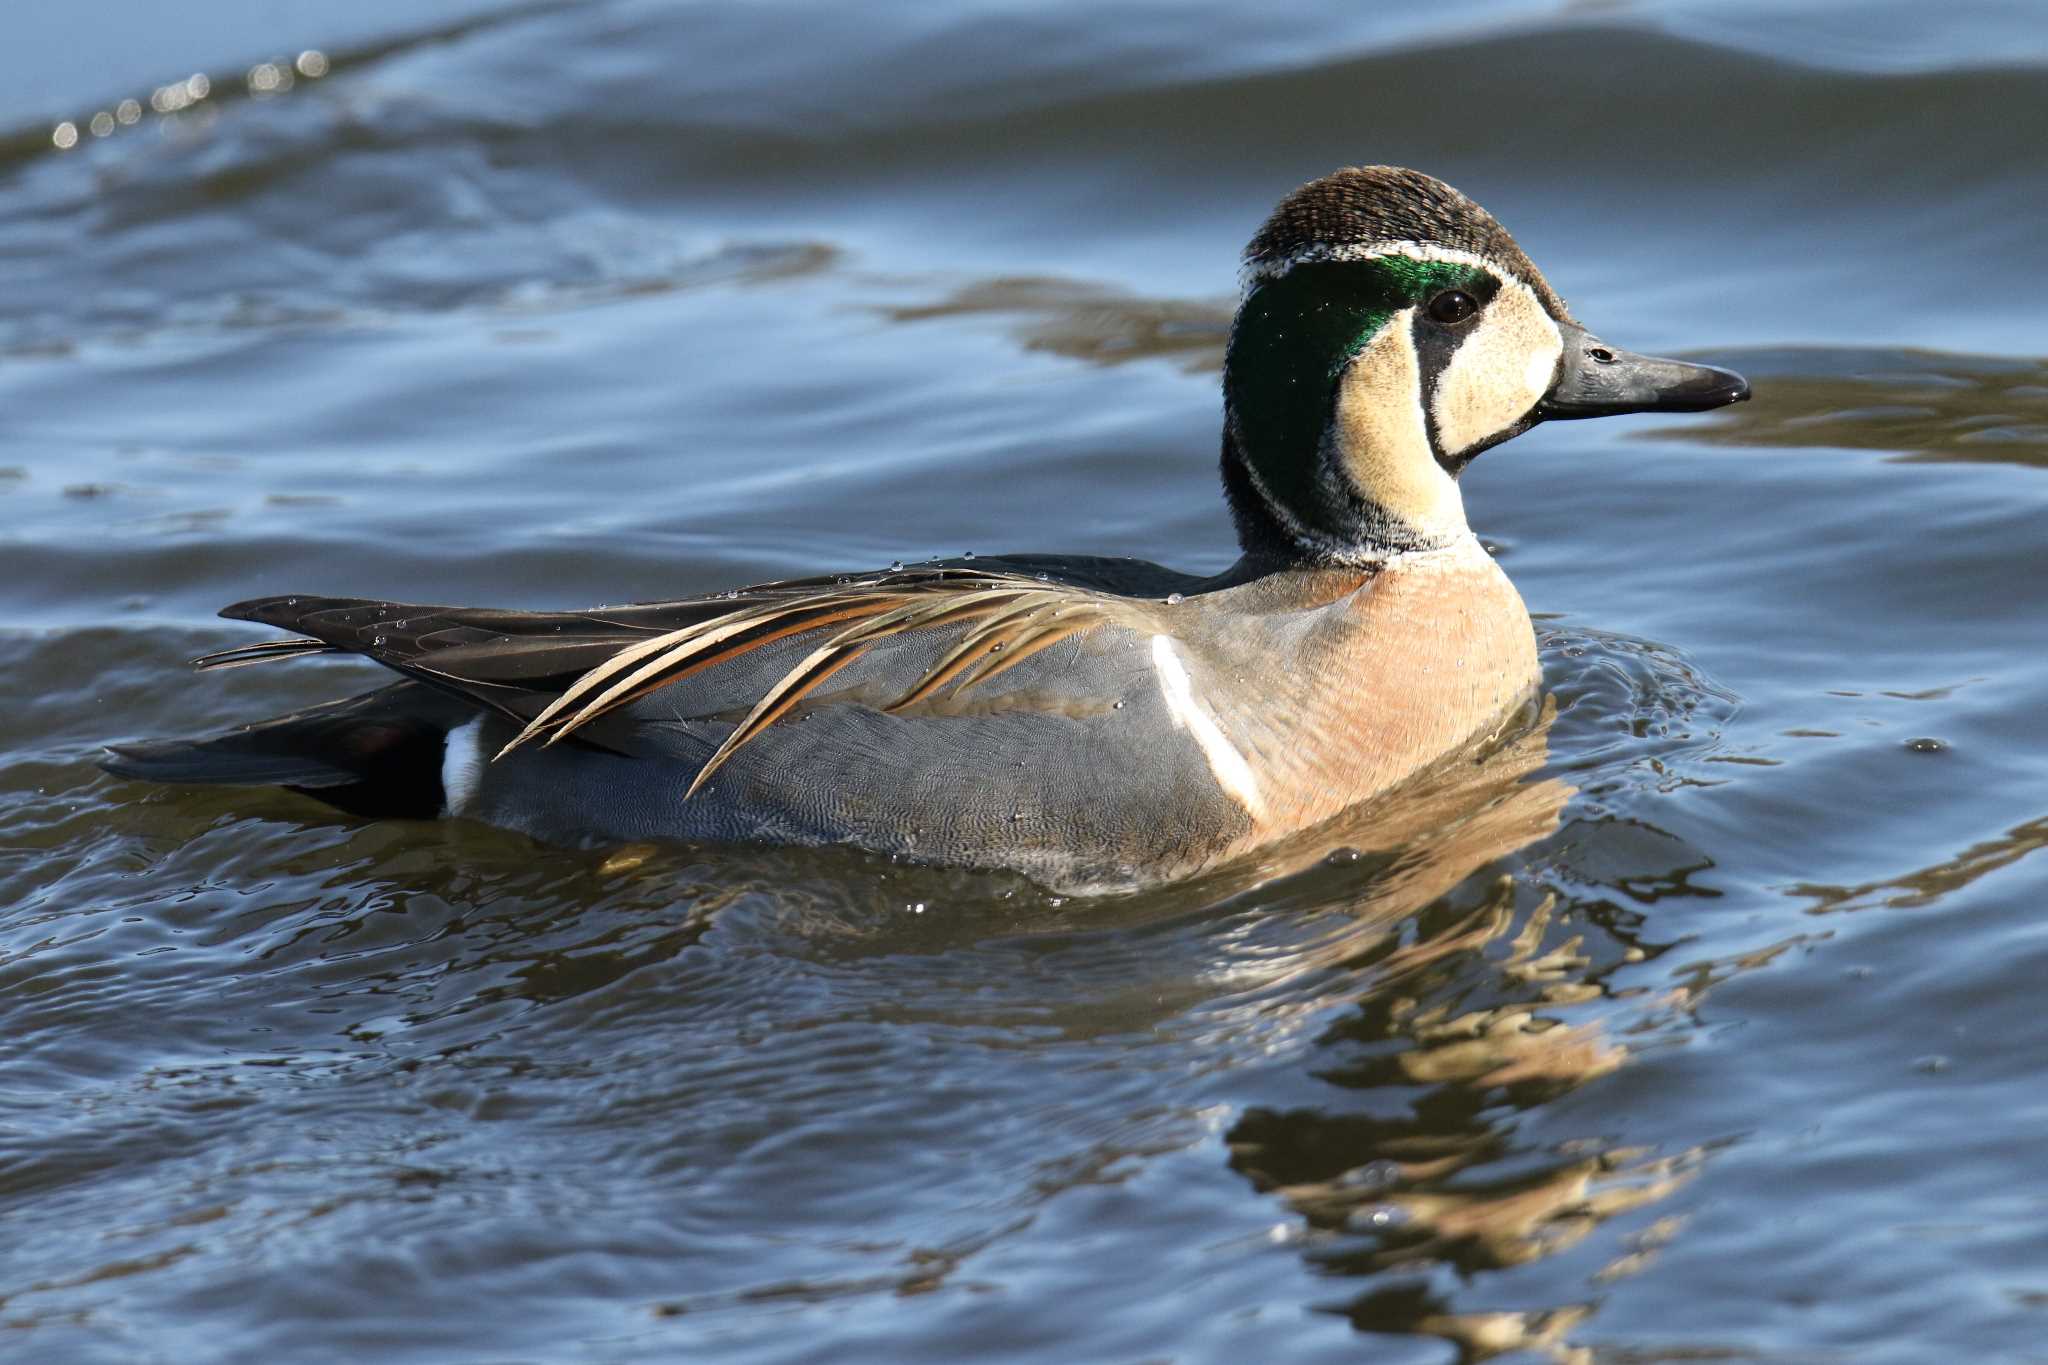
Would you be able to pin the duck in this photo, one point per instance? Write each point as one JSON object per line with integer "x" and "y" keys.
{"x": 1089, "y": 722}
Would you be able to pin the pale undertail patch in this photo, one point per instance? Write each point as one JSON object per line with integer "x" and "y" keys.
{"x": 1232, "y": 773}
{"x": 462, "y": 766}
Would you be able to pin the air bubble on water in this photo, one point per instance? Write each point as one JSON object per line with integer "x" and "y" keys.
{"x": 1045, "y": 578}
{"x": 1174, "y": 599}
{"x": 1926, "y": 745}
{"x": 895, "y": 566}
{"x": 967, "y": 554}
{"x": 1378, "y": 1217}
{"x": 291, "y": 601}
{"x": 1374, "y": 1175}
{"x": 1117, "y": 705}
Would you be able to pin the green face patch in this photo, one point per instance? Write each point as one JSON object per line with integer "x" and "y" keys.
{"x": 1293, "y": 338}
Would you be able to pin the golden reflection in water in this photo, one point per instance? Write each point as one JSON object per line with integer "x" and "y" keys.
{"x": 1091, "y": 322}
{"x": 1481, "y": 1001}
{"x": 1925, "y": 405}
{"x": 1928, "y": 885}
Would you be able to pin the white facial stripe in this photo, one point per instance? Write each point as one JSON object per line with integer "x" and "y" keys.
{"x": 1316, "y": 252}
{"x": 1500, "y": 370}
{"x": 1382, "y": 439}
{"x": 1232, "y": 773}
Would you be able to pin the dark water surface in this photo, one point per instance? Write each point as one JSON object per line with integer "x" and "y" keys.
{"x": 1704, "y": 1025}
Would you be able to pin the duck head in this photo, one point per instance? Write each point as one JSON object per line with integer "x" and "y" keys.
{"x": 1391, "y": 330}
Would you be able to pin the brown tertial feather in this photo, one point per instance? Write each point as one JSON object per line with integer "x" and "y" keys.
{"x": 670, "y": 650}
{"x": 1007, "y": 612}
{"x": 1016, "y": 652}
{"x": 956, "y": 660}
{"x": 684, "y": 661}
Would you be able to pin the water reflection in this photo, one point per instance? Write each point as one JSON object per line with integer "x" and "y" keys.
{"x": 1927, "y": 405}
{"x": 1929, "y": 886}
{"x": 1494, "y": 1011}
{"x": 1085, "y": 321}
{"x": 1480, "y": 1002}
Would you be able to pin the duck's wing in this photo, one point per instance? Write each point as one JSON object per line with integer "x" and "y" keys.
{"x": 562, "y": 674}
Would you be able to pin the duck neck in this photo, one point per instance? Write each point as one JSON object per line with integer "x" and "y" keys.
{"x": 1365, "y": 532}
{"x": 1328, "y": 453}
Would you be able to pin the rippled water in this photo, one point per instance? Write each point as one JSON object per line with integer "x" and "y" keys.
{"x": 1701, "y": 1024}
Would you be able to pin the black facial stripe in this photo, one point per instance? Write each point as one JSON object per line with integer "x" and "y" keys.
{"x": 1434, "y": 347}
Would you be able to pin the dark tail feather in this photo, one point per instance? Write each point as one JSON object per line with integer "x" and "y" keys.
{"x": 378, "y": 754}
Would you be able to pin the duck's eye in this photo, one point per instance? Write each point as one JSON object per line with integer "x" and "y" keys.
{"x": 1452, "y": 307}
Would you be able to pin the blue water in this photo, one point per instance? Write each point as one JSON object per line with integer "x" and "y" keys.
{"x": 1716, "y": 1039}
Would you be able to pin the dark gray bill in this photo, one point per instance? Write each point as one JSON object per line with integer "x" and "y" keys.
{"x": 1597, "y": 380}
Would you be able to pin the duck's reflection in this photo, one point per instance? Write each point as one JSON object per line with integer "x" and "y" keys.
{"x": 1436, "y": 972}
{"x": 1485, "y": 1000}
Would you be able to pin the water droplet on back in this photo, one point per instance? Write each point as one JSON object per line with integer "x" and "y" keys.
{"x": 1174, "y": 599}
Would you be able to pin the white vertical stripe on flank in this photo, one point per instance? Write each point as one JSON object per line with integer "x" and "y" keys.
{"x": 1233, "y": 774}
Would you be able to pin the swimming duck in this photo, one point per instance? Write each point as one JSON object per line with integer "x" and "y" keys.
{"x": 1089, "y": 722}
